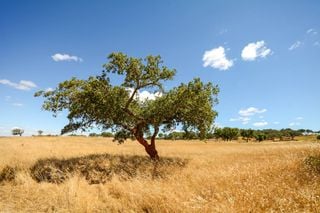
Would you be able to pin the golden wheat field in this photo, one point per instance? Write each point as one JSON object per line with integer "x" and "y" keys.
{"x": 79, "y": 174}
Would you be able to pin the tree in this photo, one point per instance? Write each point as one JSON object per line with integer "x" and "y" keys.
{"x": 40, "y": 132}
{"x": 290, "y": 133}
{"x": 260, "y": 136}
{"x": 247, "y": 134}
{"x": 227, "y": 133}
{"x": 318, "y": 137}
{"x": 96, "y": 101}
{"x": 107, "y": 134}
{"x": 161, "y": 135}
{"x": 17, "y": 131}
{"x": 272, "y": 134}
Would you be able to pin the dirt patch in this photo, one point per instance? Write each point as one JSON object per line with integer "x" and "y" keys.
{"x": 98, "y": 169}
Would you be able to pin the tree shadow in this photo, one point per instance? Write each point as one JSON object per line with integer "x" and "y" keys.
{"x": 100, "y": 168}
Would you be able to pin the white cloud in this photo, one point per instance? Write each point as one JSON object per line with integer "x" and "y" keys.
{"x": 144, "y": 95}
{"x": 295, "y": 45}
{"x": 299, "y": 118}
{"x": 49, "y": 89}
{"x": 216, "y": 58}
{"x": 251, "y": 111}
{"x": 260, "y": 124}
{"x": 255, "y": 50}
{"x": 244, "y": 120}
{"x": 294, "y": 124}
{"x": 66, "y": 57}
{"x": 312, "y": 31}
{"x": 22, "y": 85}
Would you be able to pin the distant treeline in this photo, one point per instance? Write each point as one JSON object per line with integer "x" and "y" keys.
{"x": 228, "y": 134}
{"x": 103, "y": 134}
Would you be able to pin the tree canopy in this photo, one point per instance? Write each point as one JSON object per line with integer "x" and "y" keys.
{"x": 96, "y": 102}
{"x": 17, "y": 131}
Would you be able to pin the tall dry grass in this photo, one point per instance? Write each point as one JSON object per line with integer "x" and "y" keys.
{"x": 216, "y": 177}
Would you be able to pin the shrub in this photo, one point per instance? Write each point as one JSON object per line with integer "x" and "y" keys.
{"x": 313, "y": 163}
{"x": 318, "y": 137}
{"x": 101, "y": 168}
{"x": 7, "y": 174}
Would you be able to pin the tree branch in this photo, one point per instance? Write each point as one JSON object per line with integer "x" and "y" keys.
{"x": 131, "y": 98}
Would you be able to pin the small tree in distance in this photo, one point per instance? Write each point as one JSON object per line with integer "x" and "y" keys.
{"x": 226, "y": 133}
{"x": 17, "y": 131}
{"x": 96, "y": 101}
{"x": 40, "y": 132}
{"x": 247, "y": 134}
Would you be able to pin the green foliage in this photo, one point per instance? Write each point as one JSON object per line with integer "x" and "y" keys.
{"x": 260, "y": 136}
{"x": 174, "y": 136}
{"x": 40, "y": 132}
{"x": 96, "y": 101}
{"x": 161, "y": 135}
{"x": 271, "y": 134}
{"x": 17, "y": 131}
{"x": 289, "y": 133}
{"x": 247, "y": 134}
{"x": 227, "y": 133}
{"x": 107, "y": 134}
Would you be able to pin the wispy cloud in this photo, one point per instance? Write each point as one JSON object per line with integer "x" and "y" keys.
{"x": 316, "y": 43}
{"x": 17, "y": 104}
{"x": 223, "y": 31}
{"x": 260, "y": 124}
{"x": 295, "y": 45}
{"x": 255, "y": 50}
{"x": 66, "y": 57}
{"x": 7, "y": 98}
{"x": 243, "y": 120}
{"x": 246, "y": 114}
{"x": 294, "y": 124}
{"x": 312, "y": 31}
{"x": 251, "y": 111}
{"x": 299, "y": 118}
{"x": 22, "y": 85}
{"x": 216, "y": 58}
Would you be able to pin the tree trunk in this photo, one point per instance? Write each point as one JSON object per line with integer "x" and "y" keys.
{"x": 152, "y": 152}
{"x": 150, "y": 148}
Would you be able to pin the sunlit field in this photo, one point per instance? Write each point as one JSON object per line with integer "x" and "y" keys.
{"x": 79, "y": 174}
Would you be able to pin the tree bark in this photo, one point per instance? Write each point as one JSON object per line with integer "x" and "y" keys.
{"x": 150, "y": 148}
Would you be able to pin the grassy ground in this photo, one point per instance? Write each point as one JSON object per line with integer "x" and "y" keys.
{"x": 97, "y": 175}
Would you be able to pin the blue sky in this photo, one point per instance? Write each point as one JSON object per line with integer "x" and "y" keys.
{"x": 264, "y": 55}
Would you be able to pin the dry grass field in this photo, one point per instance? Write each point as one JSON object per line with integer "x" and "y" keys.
{"x": 79, "y": 174}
